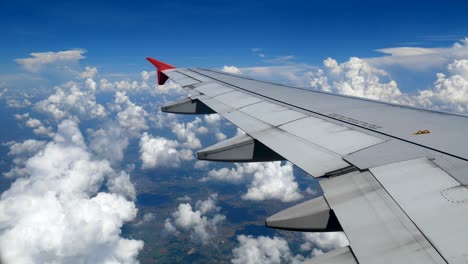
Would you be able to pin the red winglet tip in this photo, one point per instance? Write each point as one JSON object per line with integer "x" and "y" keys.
{"x": 161, "y": 66}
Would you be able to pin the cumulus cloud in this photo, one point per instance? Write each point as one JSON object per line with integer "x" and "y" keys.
{"x": 109, "y": 142}
{"x": 273, "y": 181}
{"x": 132, "y": 116}
{"x": 145, "y": 84}
{"x": 169, "y": 87}
{"x": 319, "y": 243}
{"x": 21, "y": 152}
{"x": 72, "y": 99}
{"x": 41, "y": 59}
{"x": 89, "y": 72}
{"x": 39, "y": 128}
{"x": 231, "y": 69}
{"x": 187, "y": 132}
{"x": 214, "y": 123}
{"x": 263, "y": 250}
{"x": 240, "y": 173}
{"x": 24, "y": 150}
{"x": 162, "y": 152}
{"x": 201, "y": 164}
{"x": 276, "y": 250}
{"x": 111, "y": 139}
{"x": 18, "y": 103}
{"x": 450, "y": 92}
{"x": 357, "y": 78}
{"x": 265, "y": 180}
{"x": 59, "y": 202}
{"x": 200, "y": 221}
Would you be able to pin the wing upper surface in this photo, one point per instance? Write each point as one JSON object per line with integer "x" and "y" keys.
{"x": 399, "y": 195}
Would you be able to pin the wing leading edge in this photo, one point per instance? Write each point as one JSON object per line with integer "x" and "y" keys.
{"x": 399, "y": 196}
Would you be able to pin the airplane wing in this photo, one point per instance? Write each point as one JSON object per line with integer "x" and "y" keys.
{"x": 393, "y": 177}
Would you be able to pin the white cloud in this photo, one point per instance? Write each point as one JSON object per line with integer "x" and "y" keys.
{"x": 132, "y": 117}
{"x": 240, "y": 173}
{"x": 292, "y": 74}
{"x": 89, "y": 72}
{"x": 186, "y": 133}
{"x": 273, "y": 181}
{"x": 276, "y": 250}
{"x": 312, "y": 191}
{"x": 72, "y": 99}
{"x": 367, "y": 77}
{"x": 162, "y": 120}
{"x": 281, "y": 59}
{"x": 201, "y": 164}
{"x": 146, "y": 84}
{"x": 450, "y": 93}
{"x": 18, "y": 103}
{"x": 58, "y": 203}
{"x": 184, "y": 198}
{"x": 169, "y": 87}
{"x": 169, "y": 227}
{"x": 320, "y": 243}
{"x": 161, "y": 152}
{"x": 21, "y": 152}
{"x": 220, "y": 136}
{"x": 263, "y": 250}
{"x": 212, "y": 119}
{"x": 420, "y": 59}
{"x": 214, "y": 122}
{"x": 41, "y": 59}
{"x": 357, "y": 78}
{"x": 121, "y": 184}
{"x": 266, "y": 180}
{"x": 145, "y": 75}
{"x": 109, "y": 142}
{"x": 409, "y": 51}
{"x": 231, "y": 69}
{"x": 39, "y": 128}
{"x": 147, "y": 218}
{"x": 201, "y": 221}
{"x": 106, "y": 86}
{"x": 3, "y": 92}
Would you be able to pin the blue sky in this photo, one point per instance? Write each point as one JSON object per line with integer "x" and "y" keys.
{"x": 118, "y": 35}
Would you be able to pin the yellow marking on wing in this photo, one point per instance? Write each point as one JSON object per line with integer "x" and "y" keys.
{"x": 422, "y": 132}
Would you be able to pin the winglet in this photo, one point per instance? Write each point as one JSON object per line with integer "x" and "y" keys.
{"x": 161, "y": 66}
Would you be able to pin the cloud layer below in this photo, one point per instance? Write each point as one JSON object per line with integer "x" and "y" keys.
{"x": 56, "y": 212}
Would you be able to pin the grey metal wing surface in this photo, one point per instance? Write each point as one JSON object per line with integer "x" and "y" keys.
{"x": 393, "y": 177}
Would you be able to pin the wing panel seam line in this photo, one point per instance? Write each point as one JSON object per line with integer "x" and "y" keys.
{"x": 404, "y": 212}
